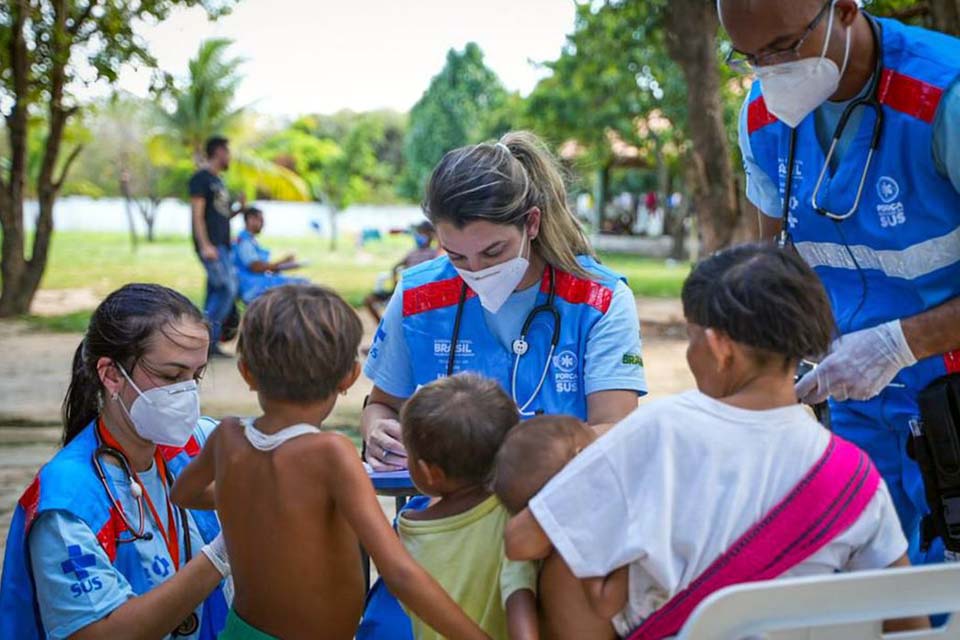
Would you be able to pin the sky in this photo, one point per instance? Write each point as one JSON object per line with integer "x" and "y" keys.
{"x": 320, "y": 56}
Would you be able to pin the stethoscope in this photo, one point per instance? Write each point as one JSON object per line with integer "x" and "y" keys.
{"x": 872, "y": 101}
{"x": 520, "y": 346}
{"x": 190, "y": 625}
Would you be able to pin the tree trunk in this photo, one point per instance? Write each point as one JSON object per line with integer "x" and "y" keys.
{"x": 946, "y": 16}
{"x": 748, "y": 226}
{"x": 333, "y": 227}
{"x": 13, "y": 263}
{"x": 601, "y": 193}
{"x": 150, "y": 217}
{"x": 128, "y": 206}
{"x": 691, "y": 27}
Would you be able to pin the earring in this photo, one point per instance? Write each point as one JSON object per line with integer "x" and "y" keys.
{"x": 115, "y": 396}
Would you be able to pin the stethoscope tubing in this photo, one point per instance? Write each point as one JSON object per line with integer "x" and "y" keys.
{"x": 136, "y": 533}
{"x": 548, "y": 307}
{"x": 872, "y": 100}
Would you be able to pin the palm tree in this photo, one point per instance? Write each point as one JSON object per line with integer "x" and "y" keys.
{"x": 204, "y": 106}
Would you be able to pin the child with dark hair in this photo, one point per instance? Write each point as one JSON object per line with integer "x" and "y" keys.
{"x": 733, "y": 482}
{"x": 532, "y": 453}
{"x": 452, "y": 429}
{"x": 295, "y": 502}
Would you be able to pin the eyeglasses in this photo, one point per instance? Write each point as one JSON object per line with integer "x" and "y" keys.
{"x": 745, "y": 62}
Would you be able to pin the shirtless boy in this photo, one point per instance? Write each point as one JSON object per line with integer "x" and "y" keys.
{"x": 295, "y": 502}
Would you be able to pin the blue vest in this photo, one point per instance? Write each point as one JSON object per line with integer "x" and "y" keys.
{"x": 905, "y": 235}
{"x": 69, "y": 483}
{"x": 248, "y": 280}
{"x": 431, "y": 292}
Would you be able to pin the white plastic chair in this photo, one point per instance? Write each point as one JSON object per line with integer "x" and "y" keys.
{"x": 847, "y": 606}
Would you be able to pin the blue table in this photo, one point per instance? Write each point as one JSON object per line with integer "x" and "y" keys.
{"x": 397, "y": 485}
{"x": 393, "y": 483}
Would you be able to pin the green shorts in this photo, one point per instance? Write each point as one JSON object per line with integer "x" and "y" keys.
{"x": 237, "y": 629}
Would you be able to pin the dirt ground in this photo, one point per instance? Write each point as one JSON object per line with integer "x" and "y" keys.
{"x": 35, "y": 371}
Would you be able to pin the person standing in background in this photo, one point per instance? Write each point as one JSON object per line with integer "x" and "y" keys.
{"x": 211, "y": 211}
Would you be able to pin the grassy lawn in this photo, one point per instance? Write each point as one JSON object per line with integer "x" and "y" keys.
{"x": 104, "y": 261}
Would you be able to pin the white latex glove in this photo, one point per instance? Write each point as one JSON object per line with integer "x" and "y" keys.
{"x": 859, "y": 366}
{"x": 216, "y": 552}
{"x": 385, "y": 451}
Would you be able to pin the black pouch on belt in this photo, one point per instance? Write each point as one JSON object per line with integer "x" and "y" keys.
{"x": 935, "y": 446}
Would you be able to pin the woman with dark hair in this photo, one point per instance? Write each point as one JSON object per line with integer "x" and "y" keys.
{"x": 96, "y": 549}
{"x": 518, "y": 297}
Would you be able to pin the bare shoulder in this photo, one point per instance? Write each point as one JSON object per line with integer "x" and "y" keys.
{"x": 331, "y": 444}
{"x": 226, "y": 431}
{"x": 326, "y": 451}
{"x": 229, "y": 425}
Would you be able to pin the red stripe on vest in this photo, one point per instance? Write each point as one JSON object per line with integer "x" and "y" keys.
{"x": 29, "y": 501}
{"x": 910, "y": 96}
{"x": 433, "y": 295}
{"x": 108, "y": 534}
{"x": 577, "y": 290}
{"x": 192, "y": 448}
{"x": 758, "y": 116}
{"x": 952, "y": 361}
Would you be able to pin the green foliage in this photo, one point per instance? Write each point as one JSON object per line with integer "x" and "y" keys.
{"x": 613, "y": 73}
{"x": 345, "y": 158}
{"x": 896, "y": 8}
{"x": 618, "y": 93}
{"x": 203, "y": 106}
{"x": 465, "y": 103}
{"x": 93, "y": 36}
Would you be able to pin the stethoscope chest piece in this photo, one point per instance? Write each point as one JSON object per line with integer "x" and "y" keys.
{"x": 520, "y": 346}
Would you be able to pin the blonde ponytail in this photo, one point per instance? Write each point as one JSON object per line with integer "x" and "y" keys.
{"x": 561, "y": 238}
{"x": 500, "y": 182}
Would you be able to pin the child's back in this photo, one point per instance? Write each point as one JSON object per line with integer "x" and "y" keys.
{"x": 685, "y": 477}
{"x": 295, "y": 559}
{"x": 732, "y": 483}
{"x": 296, "y": 504}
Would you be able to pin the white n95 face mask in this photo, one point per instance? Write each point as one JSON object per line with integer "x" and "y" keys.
{"x": 494, "y": 285}
{"x": 793, "y": 90}
{"x": 164, "y": 415}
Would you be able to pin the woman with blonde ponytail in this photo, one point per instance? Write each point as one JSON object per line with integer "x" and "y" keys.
{"x": 515, "y": 256}
{"x": 519, "y": 298}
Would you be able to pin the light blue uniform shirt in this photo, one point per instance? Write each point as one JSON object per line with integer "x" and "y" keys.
{"x": 614, "y": 336}
{"x": 765, "y": 194}
{"x": 249, "y": 251}
{"x": 76, "y": 583}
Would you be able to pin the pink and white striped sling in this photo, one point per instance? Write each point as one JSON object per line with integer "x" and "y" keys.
{"x": 829, "y": 498}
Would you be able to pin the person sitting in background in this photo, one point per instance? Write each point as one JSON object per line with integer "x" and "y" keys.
{"x": 255, "y": 272}
{"x": 452, "y": 429}
{"x": 424, "y": 236}
{"x": 295, "y": 502}
{"x": 733, "y": 482}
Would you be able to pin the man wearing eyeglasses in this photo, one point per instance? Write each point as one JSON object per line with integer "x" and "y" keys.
{"x": 851, "y": 142}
